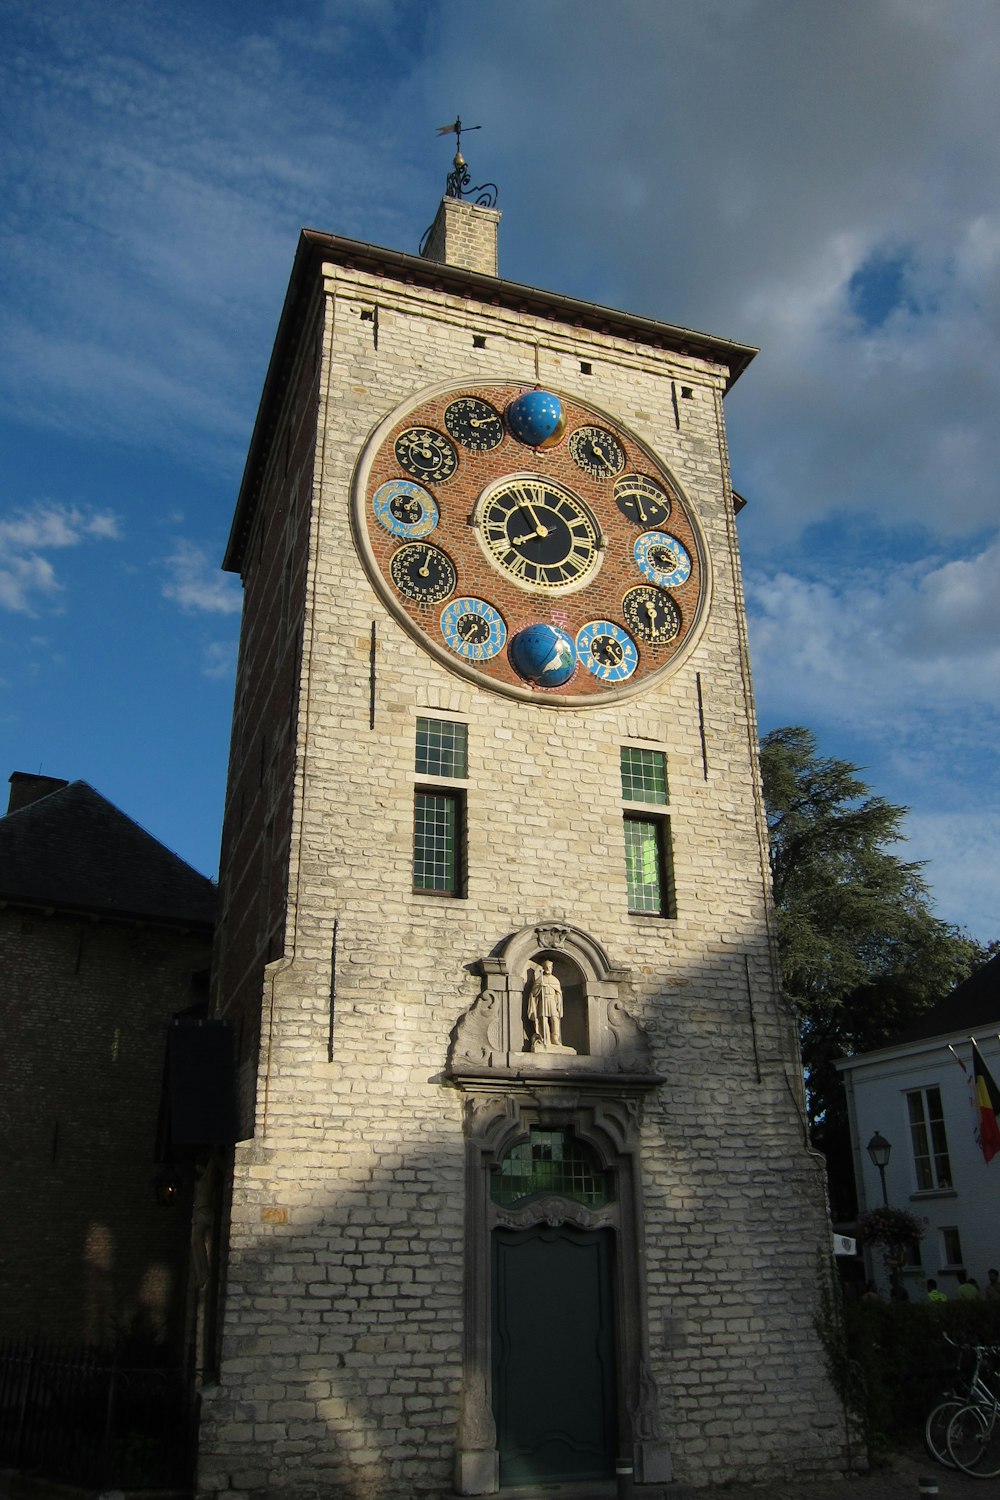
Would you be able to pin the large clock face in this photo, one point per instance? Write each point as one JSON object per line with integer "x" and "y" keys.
{"x": 539, "y": 533}
{"x": 537, "y": 565}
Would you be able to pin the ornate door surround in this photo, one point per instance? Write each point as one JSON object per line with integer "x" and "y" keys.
{"x": 598, "y": 1100}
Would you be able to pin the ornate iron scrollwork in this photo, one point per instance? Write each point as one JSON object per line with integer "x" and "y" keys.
{"x": 457, "y": 183}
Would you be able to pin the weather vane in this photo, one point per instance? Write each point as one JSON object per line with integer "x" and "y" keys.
{"x": 457, "y": 185}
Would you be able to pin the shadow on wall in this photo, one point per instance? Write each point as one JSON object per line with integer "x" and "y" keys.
{"x": 342, "y": 1354}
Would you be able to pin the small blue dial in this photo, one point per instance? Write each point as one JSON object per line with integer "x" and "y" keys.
{"x": 608, "y": 651}
{"x": 473, "y": 629}
{"x": 662, "y": 558}
{"x": 404, "y": 508}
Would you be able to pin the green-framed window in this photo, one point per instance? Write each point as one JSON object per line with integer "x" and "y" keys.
{"x": 647, "y": 865}
{"x": 644, "y": 775}
{"x": 437, "y": 842}
{"x": 442, "y": 748}
{"x": 439, "y": 811}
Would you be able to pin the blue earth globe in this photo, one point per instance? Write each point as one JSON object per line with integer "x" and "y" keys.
{"x": 543, "y": 654}
{"x": 536, "y": 419}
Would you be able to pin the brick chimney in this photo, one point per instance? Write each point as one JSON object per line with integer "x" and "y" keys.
{"x": 465, "y": 235}
{"x": 25, "y": 788}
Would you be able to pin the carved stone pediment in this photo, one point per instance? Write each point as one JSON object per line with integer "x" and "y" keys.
{"x": 553, "y": 1211}
{"x": 551, "y": 1006}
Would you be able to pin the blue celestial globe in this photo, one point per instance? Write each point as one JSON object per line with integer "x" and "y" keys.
{"x": 536, "y": 419}
{"x": 543, "y": 654}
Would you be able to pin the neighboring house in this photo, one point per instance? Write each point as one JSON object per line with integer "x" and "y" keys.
{"x": 915, "y": 1094}
{"x": 105, "y": 937}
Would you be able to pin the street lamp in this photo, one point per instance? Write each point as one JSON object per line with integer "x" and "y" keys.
{"x": 880, "y": 1150}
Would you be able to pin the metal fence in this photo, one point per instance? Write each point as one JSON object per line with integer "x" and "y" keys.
{"x": 83, "y": 1416}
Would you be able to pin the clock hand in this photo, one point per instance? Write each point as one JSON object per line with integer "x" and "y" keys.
{"x": 642, "y": 513}
{"x": 480, "y": 421}
{"x": 425, "y": 571}
{"x": 516, "y": 541}
{"x": 540, "y": 528}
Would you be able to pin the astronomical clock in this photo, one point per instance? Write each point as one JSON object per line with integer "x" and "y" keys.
{"x": 530, "y": 542}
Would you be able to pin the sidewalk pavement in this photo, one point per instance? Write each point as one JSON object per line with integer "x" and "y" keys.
{"x": 899, "y": 1479}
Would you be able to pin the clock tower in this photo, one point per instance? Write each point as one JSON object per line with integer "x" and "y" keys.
{"x": 524, "y": 1194}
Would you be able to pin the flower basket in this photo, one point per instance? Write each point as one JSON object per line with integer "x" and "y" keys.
{"x": 894, "y": 1228}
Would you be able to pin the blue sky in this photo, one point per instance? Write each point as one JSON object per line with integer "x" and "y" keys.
{"x": 818, "y": 178}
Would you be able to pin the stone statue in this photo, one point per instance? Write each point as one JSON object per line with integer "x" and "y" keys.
{"x": 545, "y": 1009}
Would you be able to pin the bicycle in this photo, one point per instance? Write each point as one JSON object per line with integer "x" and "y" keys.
{"x": 972, "y": 1390}
{"x": 974, "y": 1437}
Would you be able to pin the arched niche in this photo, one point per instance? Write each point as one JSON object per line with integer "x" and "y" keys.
{"x": 498, "y": 1034}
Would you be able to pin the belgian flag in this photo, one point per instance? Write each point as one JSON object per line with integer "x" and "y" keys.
{"x": 987, "y": 1105}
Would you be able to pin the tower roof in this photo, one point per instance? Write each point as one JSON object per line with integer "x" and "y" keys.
{"x": 72, "y": 850}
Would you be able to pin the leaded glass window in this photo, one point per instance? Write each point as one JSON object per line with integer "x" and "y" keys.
{"x": 644, "y": 775}
{"x": 551, "y": 1161}
{"x": 436, "y": 842}
{"x": 442, "y": 748}
{"x": 647, "y": 865}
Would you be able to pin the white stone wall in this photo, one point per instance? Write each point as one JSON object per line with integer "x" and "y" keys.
{"x": 878, "y": 1084}
{"x": 342, "y": 1351}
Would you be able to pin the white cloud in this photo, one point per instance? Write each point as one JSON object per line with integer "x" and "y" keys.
{"x": 197, "y": 585}
{"x": 219, "y": 659}
{"x": 26, "y": 577}
{"x": 898, "y": 669}
{"x": 959, "y": 845}
{"x": 882, "y": 643}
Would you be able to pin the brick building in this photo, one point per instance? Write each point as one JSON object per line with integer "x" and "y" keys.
{"x": 525, "y": 1190}
{"x": 105, "y": 936}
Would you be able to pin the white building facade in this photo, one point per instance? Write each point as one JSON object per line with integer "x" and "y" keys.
{"x": 917, "y": 1095}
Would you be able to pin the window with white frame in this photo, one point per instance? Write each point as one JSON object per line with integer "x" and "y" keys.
{"x": 927, "y": 1136}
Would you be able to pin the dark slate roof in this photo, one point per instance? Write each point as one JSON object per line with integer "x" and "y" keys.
{"x": 73, "y": 850}
{"x": 972, "y": 1005}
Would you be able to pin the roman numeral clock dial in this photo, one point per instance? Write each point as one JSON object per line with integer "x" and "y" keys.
{"x": 539, "y": 533}
{"x": 517, "y": 534}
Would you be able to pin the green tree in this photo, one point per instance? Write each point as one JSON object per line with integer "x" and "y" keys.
{"x": 861, "y": 953}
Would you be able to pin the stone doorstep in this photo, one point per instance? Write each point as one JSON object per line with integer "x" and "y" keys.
{"x": 601, "y": 1490}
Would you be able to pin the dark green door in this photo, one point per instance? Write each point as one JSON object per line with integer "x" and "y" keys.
{"x": 554, "y": 1387}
